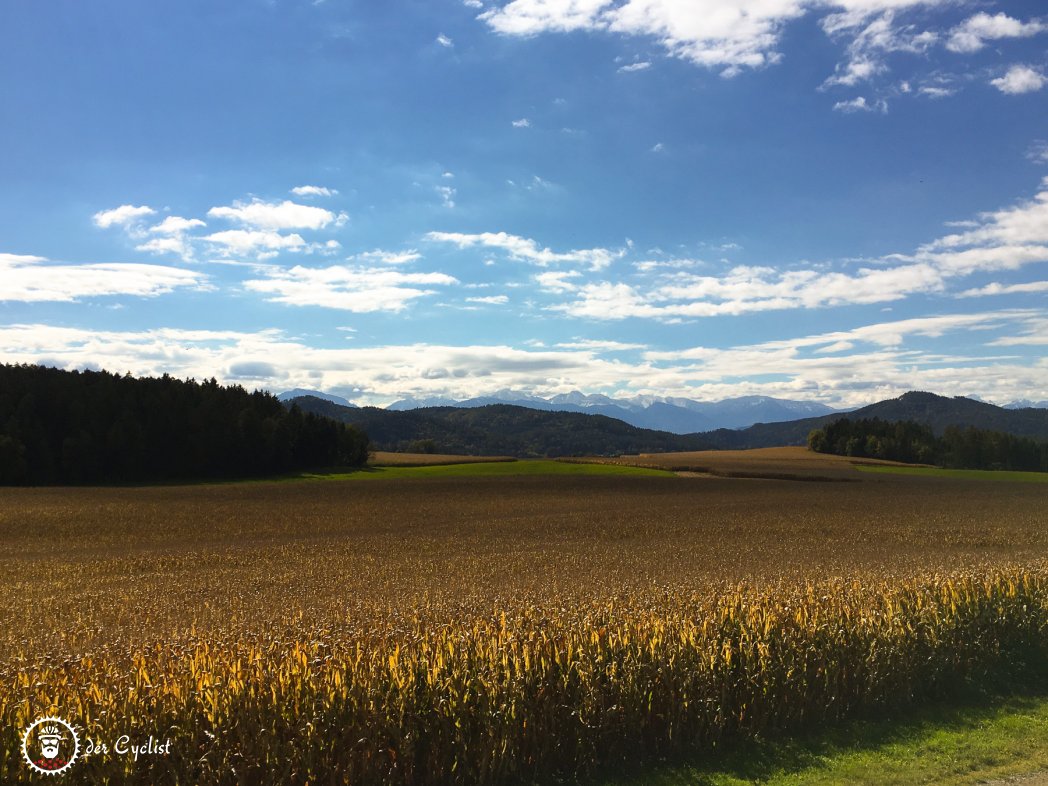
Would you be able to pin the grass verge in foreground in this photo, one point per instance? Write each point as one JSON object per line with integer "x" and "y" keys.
{"x": 971, "y": 740}
{"x": 500, "y": 469}
{"x": 959, "y": 474}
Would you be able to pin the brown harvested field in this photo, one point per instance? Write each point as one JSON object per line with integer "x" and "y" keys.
{"x": 129, "y": 564}
{"x": 382, "y": 458}
{"x": 786, "y": 463}
{"x": 492, "y": 629}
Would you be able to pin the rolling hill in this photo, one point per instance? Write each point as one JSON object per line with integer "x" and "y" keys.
{"x": 936, "y": 411}
{"x": 502, "y": 429}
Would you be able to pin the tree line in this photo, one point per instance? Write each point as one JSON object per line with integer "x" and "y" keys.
{"x": 957, "y": 448}
{"x": 60, "y": 427}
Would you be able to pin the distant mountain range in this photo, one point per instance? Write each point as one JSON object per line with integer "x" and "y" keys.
{"x": 528, "y": 431}
{"x": 661, "y": 413}
{"x": 511, "y": 429}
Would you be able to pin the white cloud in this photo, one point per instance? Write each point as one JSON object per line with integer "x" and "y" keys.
{"x": 256, "y": 243}
{"x": 121, "y": 216}
{"x": 444, "y": 41}
{"x": 313, "y": 191}
{"x": 601, "y": 346}
{"x": 273, "y": 216}
{"x": 658, "y": 147}
{"x": 634, "y": 67}
{"x": 358, "y": 289}
{"x": 473, "y": 3}
{"x": 870, "y": 41}
{"x": 1001, "y": 240}
{"x": 175, "y": 225}
{"x": 882, "y": 362}
{"x": 525, "y": 249}
{"x": 30, "y": 279}
{"x": 1006, "y": 289}
{"x": 931, "y": 91}
{"x": 11, "y": 260}
{"x": 522, "y": 123}
{"x": 389, "y": 257}
{"x": 491, "y": 300}
{"x": 860, "y": 104}
{"x": 1038, "y": 152}
{"x": 1020, "y": 79}
{"x": 556, "y": 280}
{"x": 447, "y": 196}
{"x": 973, "y": 33}
{"x": 724, "y": 34}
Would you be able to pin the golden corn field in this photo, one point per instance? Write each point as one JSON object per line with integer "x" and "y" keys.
{"x": 497, "y": 630}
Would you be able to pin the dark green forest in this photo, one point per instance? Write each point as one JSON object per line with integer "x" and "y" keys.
{"x": 59, "y": 427}
{"x": 956, "y": 448}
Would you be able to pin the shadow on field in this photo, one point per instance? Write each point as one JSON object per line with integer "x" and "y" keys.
{"x": 969, "y": 708}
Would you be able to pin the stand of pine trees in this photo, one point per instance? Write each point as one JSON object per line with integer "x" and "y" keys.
{"x": 909, "y": 441}
{"x": 60, "y": 427}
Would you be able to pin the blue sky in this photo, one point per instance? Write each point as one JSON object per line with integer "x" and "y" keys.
{"x": 834, "y": 200}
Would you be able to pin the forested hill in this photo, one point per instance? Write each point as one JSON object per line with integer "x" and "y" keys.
{"x": 501, "y": 429}
{"x": 929, "y": 409}
{"x": 96, "y": 427}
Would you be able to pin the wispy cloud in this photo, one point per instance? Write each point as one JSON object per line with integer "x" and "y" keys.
{"x": 634, "y": 67}
{"x": 313, "y": 191}
{"x": 30, "y": 279}
{"x": 349, "y": 288}
{"x": 860, "y": 104}
{"x": 1001, "y": 240}
{"x": 526, "y": 249}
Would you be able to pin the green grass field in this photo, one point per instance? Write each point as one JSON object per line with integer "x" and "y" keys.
{"x": 493, "y": 469}
{"x": 959, "y": 474}
{"x": 956, "y": 745}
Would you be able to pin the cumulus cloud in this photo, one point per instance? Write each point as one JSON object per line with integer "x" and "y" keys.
{"x": 522, "y": 123}
{"x": 634, "y": 67}
{"x": 276, "y": 215}
{"x": 444, "y": 41}
{"x": 1020, "y": 79}
{"x": 730, "y": 35}
{"x": 30, "y": 279}
{"x": 358, "y": 289}
{"x": 491, "y": 300}
{"x": 121, "y": 216}
{"x": 525, "y": 249}
{"x": 974, "y": 32}
{"x": 254, "y": 243}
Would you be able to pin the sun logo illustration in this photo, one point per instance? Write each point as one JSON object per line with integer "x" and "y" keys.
{"x": 50, "y": 745}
